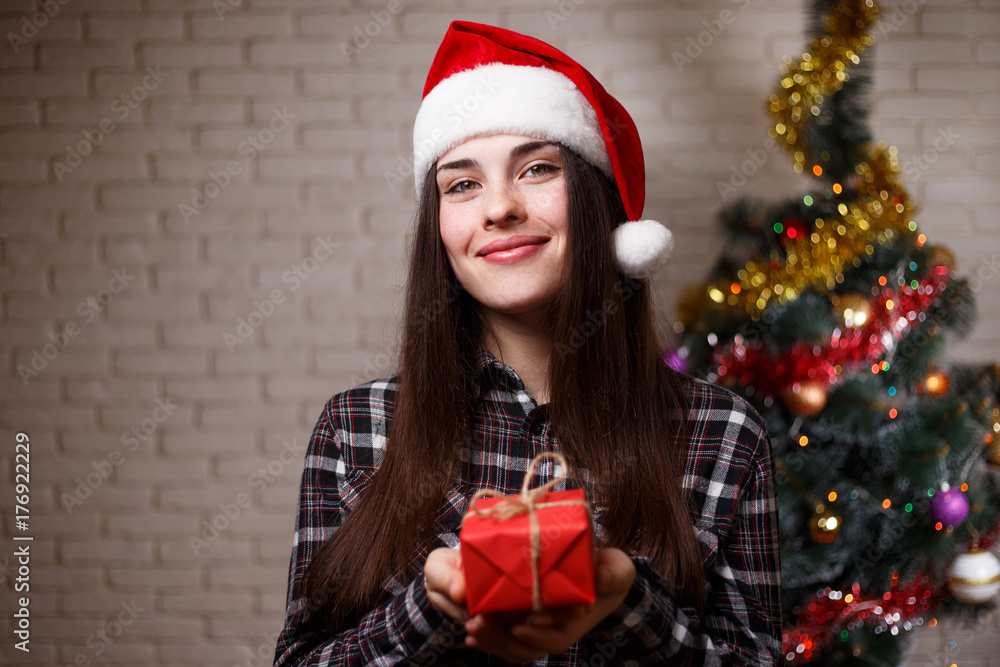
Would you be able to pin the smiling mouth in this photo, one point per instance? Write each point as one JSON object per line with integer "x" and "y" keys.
{"x": 514, "y": 243}
{"x": 513, "y": 249}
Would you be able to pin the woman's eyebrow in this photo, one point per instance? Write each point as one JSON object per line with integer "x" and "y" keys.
{"x": 464, "y": 163}
{"x": 529, "y": 147}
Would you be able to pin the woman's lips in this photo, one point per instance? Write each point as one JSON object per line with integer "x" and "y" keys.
{"x": 513, "y": 249}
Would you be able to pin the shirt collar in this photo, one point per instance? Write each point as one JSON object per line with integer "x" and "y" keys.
{"x": 491, "y": 371}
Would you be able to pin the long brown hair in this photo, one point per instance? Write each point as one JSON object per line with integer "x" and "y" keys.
{"x": 613, "y": 408}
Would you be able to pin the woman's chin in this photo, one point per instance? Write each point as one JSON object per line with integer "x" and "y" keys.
{"x": 518, "y": 309}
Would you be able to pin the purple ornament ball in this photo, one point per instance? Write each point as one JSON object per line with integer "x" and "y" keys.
{"x": 950, "y": 507}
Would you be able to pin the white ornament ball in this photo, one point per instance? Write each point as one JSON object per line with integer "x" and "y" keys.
{"x": 974, "y": 576}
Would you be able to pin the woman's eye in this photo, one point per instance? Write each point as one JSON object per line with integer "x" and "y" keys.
{"x": 539, "y": 169}
{"x": 462, "y": 186}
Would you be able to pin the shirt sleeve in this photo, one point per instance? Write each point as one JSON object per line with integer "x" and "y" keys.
{"x": 742, "y": 620}
{"x": 406, "y": 628}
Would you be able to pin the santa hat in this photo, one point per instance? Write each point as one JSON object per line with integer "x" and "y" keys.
{"x": 487, "y": 80}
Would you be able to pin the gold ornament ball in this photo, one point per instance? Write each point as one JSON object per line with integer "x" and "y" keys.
{"x": 825, "y": 527}
{"x": 807, "y": 399}
{"x": 855, "y": 309}
{"x": 974, "y": 576}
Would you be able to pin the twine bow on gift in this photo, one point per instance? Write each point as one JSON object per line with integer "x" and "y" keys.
{"x": 527, "y": 503}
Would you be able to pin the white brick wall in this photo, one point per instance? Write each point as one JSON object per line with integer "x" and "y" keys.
{"x": 160, "y": 337}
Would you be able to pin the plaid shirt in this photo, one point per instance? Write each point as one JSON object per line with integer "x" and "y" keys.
{"x": 729, "y": 468}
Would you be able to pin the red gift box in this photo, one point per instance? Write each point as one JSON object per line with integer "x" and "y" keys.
{"x": 503, "y": 572}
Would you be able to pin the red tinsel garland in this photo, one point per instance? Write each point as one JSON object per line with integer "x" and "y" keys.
{"x": 770, "y": 373}
{"x": 832, "y": 612}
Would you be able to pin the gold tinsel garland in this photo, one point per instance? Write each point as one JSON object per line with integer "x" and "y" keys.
{"x": 879, "y": 212}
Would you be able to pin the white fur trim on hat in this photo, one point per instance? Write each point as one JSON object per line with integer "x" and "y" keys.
{"x": 506, "y": 99}
{"x": 642, "y": 247}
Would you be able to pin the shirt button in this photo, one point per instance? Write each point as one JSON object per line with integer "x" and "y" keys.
{"x": 536, "y": 428}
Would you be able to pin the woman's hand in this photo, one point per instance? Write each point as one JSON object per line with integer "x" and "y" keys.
{"x": 552, "y": 632}
{"x": 446, "y": 582}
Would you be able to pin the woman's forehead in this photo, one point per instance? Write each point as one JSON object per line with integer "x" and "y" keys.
{"x": 494, "y": 142}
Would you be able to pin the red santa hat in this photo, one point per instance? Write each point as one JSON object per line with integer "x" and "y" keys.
{"x": 487, "y": 80}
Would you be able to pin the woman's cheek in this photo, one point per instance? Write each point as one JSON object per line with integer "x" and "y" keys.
{"x": 554, "y": 201}
{"x": 451, "y": 233}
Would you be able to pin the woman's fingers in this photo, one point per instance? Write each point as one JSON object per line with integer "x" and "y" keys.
{"x": 491, "y": 636}
{"x": 615, "y": 572}
{"x": 546, "y": 632}
{"x": 455, "y": 611}
{"x": 443, "y": 570}
{"x": 555, "y": 616}
{"x": 456, "y": 587}
{"x": 560, "y": 629}
{"x": 446, "y": 582}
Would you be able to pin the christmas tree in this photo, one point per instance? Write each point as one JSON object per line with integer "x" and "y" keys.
{"x": 831, "y": 314}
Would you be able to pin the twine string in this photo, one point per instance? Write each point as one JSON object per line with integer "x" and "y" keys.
{"x": 527, "y": 503}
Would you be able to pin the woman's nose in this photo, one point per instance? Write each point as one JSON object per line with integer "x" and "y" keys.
{"x": 503, "y": 206}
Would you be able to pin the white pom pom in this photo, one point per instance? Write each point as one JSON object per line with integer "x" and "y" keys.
{"x": 642, "y": 247}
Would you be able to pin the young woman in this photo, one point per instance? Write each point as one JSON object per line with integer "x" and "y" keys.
{"x": 529, "y": 328}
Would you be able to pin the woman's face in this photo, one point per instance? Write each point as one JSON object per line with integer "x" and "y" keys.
{"x": 504, "y": 220}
